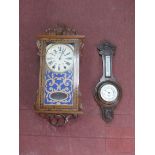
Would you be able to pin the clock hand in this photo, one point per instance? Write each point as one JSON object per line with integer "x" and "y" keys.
{"x": 61, "y": 55}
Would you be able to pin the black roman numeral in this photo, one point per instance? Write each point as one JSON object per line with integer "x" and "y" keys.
{"x": 50, "y": 62}
{"x": 69, "y": 58}
{"x": 59, "y": 47}
{"x": 67, "y": 63}
{"x": 54, "y": 66}
{"x": 63, "y": 50}
{"x": 67, "y": 54}
{"x": 59, "y": 67}
{"x": 55, "y": 51}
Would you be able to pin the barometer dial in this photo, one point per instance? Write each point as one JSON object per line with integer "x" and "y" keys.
{"x": 109, "y": 93}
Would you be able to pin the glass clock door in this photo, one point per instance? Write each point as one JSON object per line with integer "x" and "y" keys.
{"x": 59, "y": 74}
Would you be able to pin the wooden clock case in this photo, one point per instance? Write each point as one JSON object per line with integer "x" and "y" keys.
{"x": 58, "y": 115}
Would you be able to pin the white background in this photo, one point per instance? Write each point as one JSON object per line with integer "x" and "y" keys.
{"x": 145, "y": 77}
{"x": 144, "y": 70}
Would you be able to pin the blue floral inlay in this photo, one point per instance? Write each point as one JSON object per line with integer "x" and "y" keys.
{"x": 56, "y": 83}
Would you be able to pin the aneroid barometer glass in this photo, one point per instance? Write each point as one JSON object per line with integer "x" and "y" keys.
{"x": 107, "y": 91}
{"x": 58, "y": 95}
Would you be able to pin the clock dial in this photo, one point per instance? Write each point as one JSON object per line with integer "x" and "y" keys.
{"x": 59, "y": 57}
{"x": 109, "y": 92}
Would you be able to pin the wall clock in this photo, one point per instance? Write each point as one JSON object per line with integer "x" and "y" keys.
{"x": 107, "y": 91}
{"x": 58, "y": 94}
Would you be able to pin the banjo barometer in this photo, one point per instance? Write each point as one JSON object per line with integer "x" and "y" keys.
{"x": 107, "y": 91}
{"x": 58, "y": 94}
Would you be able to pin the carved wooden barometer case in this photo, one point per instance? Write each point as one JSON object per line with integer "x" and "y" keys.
{"x": 58, "y": 94}
{"x": 107, "y": 91}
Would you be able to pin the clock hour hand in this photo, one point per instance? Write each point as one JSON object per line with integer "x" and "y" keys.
{"x": 61, "y": 54}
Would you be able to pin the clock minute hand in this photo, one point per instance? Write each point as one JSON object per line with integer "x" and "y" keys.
{"x": 61, "y": 54}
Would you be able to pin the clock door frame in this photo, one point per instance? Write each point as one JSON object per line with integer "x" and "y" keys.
{"x": 43, "y": 41}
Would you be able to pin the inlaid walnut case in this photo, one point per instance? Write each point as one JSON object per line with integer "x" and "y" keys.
{"x": 58, "y": 94}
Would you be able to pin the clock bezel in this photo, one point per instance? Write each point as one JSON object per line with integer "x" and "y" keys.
{"x": 112, "y": 87}
{"x": 100, "y": 100}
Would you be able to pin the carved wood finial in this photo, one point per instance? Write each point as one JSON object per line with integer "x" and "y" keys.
{"x": 60, "y": 29}
{"x": 106, "y": 48}
{"x": 107, "y": 114}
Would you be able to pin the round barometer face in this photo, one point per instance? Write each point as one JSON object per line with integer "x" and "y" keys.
{"x": 109, "y": 92}
{"x": 59, "y": 57}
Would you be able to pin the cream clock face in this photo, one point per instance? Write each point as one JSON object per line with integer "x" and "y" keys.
{"x": 109, "y": 92}
{"x": 59, "y": 57}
